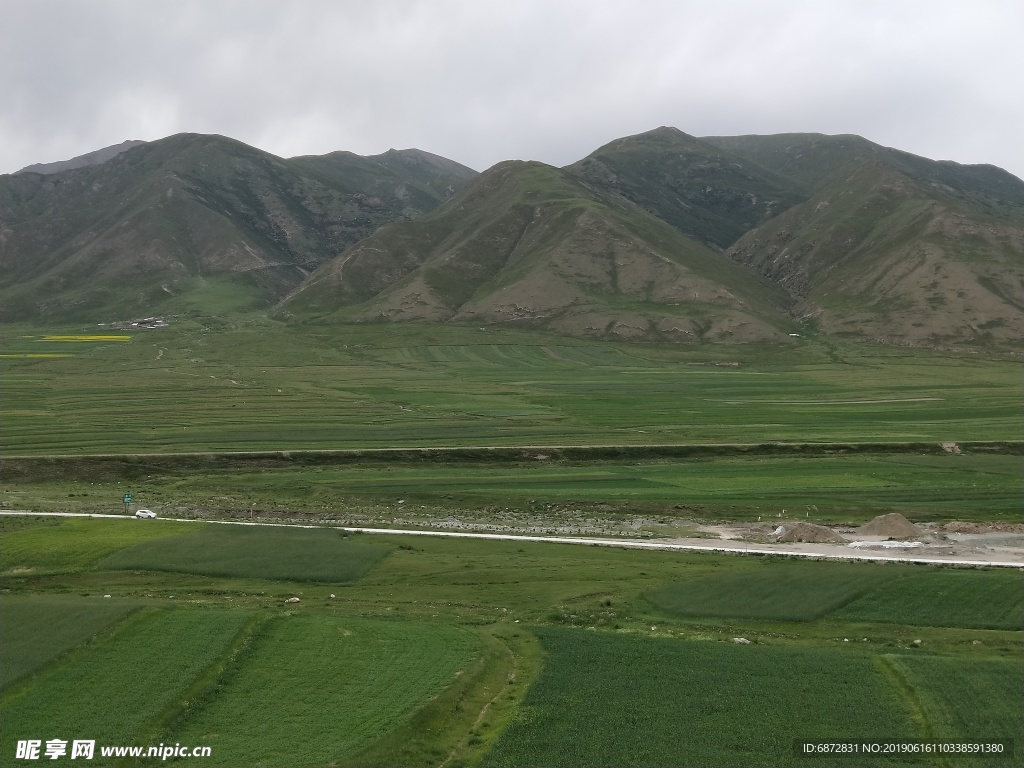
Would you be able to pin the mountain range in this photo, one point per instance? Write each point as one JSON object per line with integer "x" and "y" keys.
{"x": 657, "y": 237}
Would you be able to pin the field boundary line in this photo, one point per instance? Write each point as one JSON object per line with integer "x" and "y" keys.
{"x": 195, "y": 694}
{"x": 460, "y": 745}
{"x": 897, "y": 679}
{"x": 16, "y": 687}
{"x": 188, "y": 459}
{"x": 727, "y": 547}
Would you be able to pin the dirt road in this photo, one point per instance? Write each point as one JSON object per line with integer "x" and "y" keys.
{"x": 964, "y": 552}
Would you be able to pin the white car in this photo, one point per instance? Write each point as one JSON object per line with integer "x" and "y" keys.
{"x": 147, "y": 514}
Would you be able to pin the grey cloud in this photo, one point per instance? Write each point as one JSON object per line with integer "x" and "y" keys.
{"x": 485, "y": 81}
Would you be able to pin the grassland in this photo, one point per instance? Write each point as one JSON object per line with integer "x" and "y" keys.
{"x": 551, "y": 493}
{"x": 638, "y": 683}
{"x": 359, "y": 678}
{"x": 630, "y": 701}
{"x": 269, "y": 387}
{"x": 637, "y": 646}
{"x": 35, "y": 550}
{"x": 972, "y": 699}
{"x": 255, "y": 553}
{"x": 115, "y": 692}
{"x": 942, "y": 598}
{"x": 791, "y": 591}
{"x": 37, "y": 629}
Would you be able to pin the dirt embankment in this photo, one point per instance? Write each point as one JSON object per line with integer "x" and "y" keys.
{"x": 892, "y": 526}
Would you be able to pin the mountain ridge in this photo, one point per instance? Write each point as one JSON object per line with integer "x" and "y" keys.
{"x": 657, "y": 236}
{"x": 164, "y": 214}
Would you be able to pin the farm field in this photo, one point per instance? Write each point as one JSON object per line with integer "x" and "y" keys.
{"x": 37, "y": 629}
{"x": 117, "y": 692}
{"x": 33, "y": 549}
{"x": 797, "y": 591}
{"x": 359, "y": 679}
{"x": 849, "y": 488}
{"x": 605, "y": 699}
{"x": 966, "y": 699}
{"x": 462, "y": 653}
{"x": 983, "y": 599}
{"x": 258, "y": 553}
{"x": 471, "y": 652}
{"x": 264, "y": 386}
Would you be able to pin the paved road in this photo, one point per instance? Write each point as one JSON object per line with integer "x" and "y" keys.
{"x": 812, "y": 551}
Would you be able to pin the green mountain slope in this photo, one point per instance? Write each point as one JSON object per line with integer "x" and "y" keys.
{"x": 706, "y": 192}
{"x": 89, "y": 158}
{"x": 196, "y": 222}
{"x": 877, "y": 253}
{"x": 529, "y": 244}
{"x": 814, "y": 160}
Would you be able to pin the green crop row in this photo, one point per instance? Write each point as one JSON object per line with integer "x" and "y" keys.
{"x": 293, "y": 554}
{"x": 279, "y": 388}
{"x": 313, "y": 687}
{"x": 605, "y": 699}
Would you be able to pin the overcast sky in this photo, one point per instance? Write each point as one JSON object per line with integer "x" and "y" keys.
{"x": 481, "y": 81}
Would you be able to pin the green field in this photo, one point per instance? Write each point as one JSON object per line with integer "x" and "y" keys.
{"x": 458, "y": 653}
{"x": 946, "y": 598}
{"x": 359, "y": 678}
{"x": 968, "y": 699}
{"x": 255, "y": 553}
{"x": 469, "y": 652}
{"x": 799, "y": 591}
{"x": 37, "y": 629}
{"x": 840, "y": 489}
{"x": 33, "y": 550}
{"x": 619, "y": 700}
{"x": 118, "y": 691}
{"x": 272, "y": 387}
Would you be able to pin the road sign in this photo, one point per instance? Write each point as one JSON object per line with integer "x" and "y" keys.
{"x": 127, "y": 498}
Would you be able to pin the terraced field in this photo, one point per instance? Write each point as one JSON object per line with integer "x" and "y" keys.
{"x": 277, "y": 388}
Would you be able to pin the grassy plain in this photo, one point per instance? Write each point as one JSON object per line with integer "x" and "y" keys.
{"x": 636, "y": 645}
{"x": 945, "y": 598}
{"x": 850, "y": 488}
{"x": 258, "y": 553}
{"x": 35, "y": 550}
{"x": 256, "y": 385}
{"x": 358, "y": 678}
{"x": 666, "y": 688}
{"x": 605, "y": 699}
{"x": 37, "y": 629}
{"x": 118, "y": 690}
{"x": 797, "y": 591}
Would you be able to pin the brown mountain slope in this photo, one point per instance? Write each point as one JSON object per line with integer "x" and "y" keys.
{"x": 529, "y": 244}
{"x": 878, "y": 254}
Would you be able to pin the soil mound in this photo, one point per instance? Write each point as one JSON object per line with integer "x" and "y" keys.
{"x": 893, "y": 526}
{"x": 808, "y": 532}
